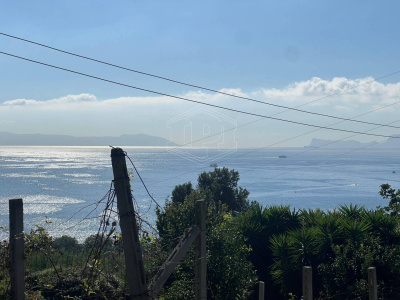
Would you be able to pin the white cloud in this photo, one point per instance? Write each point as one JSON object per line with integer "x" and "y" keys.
{"x": 73, "y": 99}
{"x": 337, "y": 91}
{"x": 62, "y": 100}
{"x": 21, "y": 102}
{"x": 84, "y": 114}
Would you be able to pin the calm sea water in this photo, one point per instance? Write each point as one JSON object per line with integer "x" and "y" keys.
{"x": 64, "y": 183}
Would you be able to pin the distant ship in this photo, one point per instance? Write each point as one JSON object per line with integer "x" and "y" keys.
{"x": 282, "y": 156}
{"x": 213, "y": 165}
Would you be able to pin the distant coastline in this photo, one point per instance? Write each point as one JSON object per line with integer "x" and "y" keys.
{"x": 391, "y": 143}
{"x": 12, "y": 139}
{"x": 144, "y": 140}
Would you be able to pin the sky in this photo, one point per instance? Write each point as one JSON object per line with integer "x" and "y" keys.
{"x": 338, "y": 58}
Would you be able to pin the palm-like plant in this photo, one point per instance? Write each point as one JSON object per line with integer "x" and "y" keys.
{"x": 355, "y": 231}
{"x": 292, "y": 251}
{"x": 353, "y": 212}
{"x": 280, "y": 219}
{"x": 258, "y": 224}
{"x": 329, "y": 232}
{"x": 383, "y": 225}
{"x": 303, "y": 246}
{"x": 311, "y": 217}
{"x": 282, "y": 270}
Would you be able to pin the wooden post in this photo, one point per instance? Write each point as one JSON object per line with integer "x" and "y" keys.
{"x": 261, "y": 290}
{"x": 173, "y": 260}
{"x": 130, "y": 237}
{"x": 307, "y": 283}
{"x": 372, "y": 284}
{"x": 17, "y": 265}
{"x": 201, "y": 258}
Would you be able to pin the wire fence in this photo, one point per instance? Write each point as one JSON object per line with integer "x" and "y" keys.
{"x": 96, "y": 265}
{"x": 56, "y": 265}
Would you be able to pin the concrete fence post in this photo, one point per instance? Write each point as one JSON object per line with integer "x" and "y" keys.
{"x": 372, "y": 284}
{"x": 17, "y": 264}
{"x": 307, "y": 283}
{"x": 261, "y": 290}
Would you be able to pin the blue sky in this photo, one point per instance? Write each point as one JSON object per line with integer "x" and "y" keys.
{"x": 284, "y": 52}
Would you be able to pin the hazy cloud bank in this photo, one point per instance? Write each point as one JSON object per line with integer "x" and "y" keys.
{"x": 59, "y": 101}
{"x": 85, "y": 114}
{"x": 338, "y": 91}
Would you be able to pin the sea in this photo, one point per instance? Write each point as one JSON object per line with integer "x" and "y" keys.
{"x": 62, "y": 187}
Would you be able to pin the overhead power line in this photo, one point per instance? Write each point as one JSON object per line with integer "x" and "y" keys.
{"x": 327, "y": 145}
{"x": 251, "y": 122}
{"x": 216, "y": 91}
{"x": 144, "y": 185}
{"x": 195, "y": 101}
{"x": 274, "y": 144}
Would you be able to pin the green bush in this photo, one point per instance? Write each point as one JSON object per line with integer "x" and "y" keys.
{"x": 66, "y": 242}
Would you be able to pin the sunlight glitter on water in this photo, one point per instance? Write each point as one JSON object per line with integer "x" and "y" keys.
{"x": 75, "y": 177}
{"x": 40, "y": 204}
{"x": 28, "y": 175}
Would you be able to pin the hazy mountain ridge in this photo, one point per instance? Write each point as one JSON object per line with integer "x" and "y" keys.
{"x": 12, "y": 139}
{"x": 390, "y": 143}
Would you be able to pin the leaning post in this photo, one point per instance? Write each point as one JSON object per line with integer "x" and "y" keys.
{"x": 201, "y": 257}
{"x": 130, "y": 237}
{"x": 17, "y": 265}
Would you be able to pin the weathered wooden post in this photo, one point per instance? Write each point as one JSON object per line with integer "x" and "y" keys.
{"x": 201, "y": 258}
{"x": 372, "y": 284}
{"x": 189, "y": 236}
{"x": 130, "y": 237}
{"x": 307, "y": 283}
{"x": 17, "y": 265}
{"x": 261, "y": 290}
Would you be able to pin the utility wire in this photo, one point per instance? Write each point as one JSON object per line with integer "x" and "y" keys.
{"x": 195, "y": 101}
{"x": 315, "y": 165}
{"x": 273, "y": 144}
{"x": 140, "y": 177}
{"x": 212, "y": 90}
{"x": 251, "y": 122}
{"x": 227, "y": 94}
{"x": 282, "y": 141}
{"x": 322, "y": 146}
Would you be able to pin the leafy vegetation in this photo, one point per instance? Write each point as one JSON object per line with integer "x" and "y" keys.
{"x": 230, "y": 273}
{"x": 246, "y": 242}
{"x": 55, "y": 269}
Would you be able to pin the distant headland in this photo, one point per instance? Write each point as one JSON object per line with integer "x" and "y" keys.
{"x": 391, "y": 143}
{"x": 12, "y": 139}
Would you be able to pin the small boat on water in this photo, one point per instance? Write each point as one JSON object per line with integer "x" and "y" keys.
{"x": 282, "y": 156}
{"x": 213, "y": 165}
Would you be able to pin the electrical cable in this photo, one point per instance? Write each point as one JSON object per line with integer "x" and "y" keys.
{"x": 227, "y": 94}
{"x": 191, "y": 100}
{"x": 322, "y": 146}
{"x": 277, "y": 143}
{"x": 212, "y": 90}
{"x": 248, "y": 123}
{"x": 144, "y": 185}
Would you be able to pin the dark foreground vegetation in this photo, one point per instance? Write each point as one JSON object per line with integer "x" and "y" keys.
{"x": 246, "y": 243}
